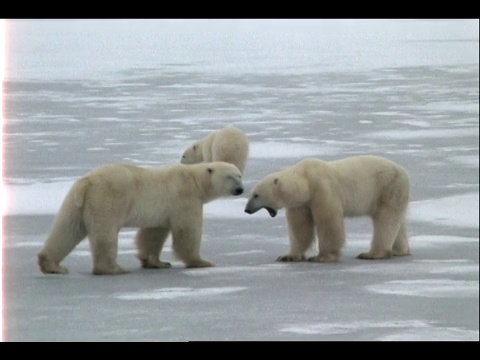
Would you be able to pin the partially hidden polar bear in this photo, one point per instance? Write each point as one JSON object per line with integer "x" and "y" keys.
{"x": 158, "y": 201}
{"x": 228, "y": 144}
{"x": 318, "y": 195}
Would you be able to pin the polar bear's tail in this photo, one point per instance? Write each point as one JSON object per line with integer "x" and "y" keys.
{"x": 67, "y": 231}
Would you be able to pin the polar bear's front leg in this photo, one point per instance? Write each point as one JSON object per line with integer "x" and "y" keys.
{"x": 301, "y": 233}
{"x": 187, "y": 235}
{"x": 149, "y": 243}
{"x": 331, "y": 237}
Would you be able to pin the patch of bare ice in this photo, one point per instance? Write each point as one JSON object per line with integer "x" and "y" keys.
{"x": 175, "y": 293}
{"x": 431, "y": 288}
{"x": 457, "y": 210}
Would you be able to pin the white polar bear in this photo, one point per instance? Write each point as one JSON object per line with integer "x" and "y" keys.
{"x": 158, "y": 201}
{"x": 229, "y": 144}
{"x": 318, "y": 195}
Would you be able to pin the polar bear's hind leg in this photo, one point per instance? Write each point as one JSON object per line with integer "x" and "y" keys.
{"x": 386, "y": 227}
{"x": 401, "y": 246}
{"x": 48, "y": 266}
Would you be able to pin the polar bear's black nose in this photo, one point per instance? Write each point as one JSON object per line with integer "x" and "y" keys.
{"x": 238, "y": 191}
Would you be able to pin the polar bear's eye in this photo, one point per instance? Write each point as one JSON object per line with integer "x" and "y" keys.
{"x": 194, "y": 147}
{"x": 255, "y": 196}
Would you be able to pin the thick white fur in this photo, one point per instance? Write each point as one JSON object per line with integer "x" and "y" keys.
{"x": 229, "y": 144}
{"x": 318, "y": 195}
{"x": 158, "y": 201}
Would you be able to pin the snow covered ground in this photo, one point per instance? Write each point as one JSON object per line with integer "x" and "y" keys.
{"x": 84, "y": 93}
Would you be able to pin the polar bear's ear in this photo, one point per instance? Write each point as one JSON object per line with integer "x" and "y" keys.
{"x": 276, "y": 181}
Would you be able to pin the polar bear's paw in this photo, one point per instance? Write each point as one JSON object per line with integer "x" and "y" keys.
{"x": 384, "y": 254}
{"x": 149, "y": 264}
{"x": 48, "y": 266}
{"x": 103, "y": 270}
{"x": 199, "y": 263}
{"x": 324, "y": 258}
{"x": 291, "y": 258}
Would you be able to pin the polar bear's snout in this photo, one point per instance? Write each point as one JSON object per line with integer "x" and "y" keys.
{"x": 235, "y": 184}
{"x": 253, "y": 205}
{"x": 238, "y": 191}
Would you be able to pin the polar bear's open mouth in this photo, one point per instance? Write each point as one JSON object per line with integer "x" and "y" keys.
{"x": 271, "y": 211}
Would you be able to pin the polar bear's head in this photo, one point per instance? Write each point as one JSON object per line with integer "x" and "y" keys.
{"x": 265, "y": 195}
{"x": 193, "y": 154}
{"x": 283, "y": 189}
{"x": 224, "y": 179}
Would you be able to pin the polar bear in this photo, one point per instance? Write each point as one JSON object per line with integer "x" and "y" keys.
{"x": 229, "y": 144}
{"x": 158, "y": 201}
{"x": 318, "y": 195}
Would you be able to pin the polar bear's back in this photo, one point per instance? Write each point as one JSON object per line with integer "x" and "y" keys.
{"x": 370, "y": 182}
{"x": 122, "y": 179}
{"x": 117, "y": 189}
{"x": 366, "y": 165}
{"x": 362, "y": 182}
